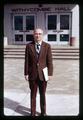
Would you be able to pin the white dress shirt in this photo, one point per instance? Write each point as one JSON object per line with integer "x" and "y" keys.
{"x": 39, "y": 46}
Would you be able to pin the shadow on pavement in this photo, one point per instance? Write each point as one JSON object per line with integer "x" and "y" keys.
{"x": 15, "y": 106}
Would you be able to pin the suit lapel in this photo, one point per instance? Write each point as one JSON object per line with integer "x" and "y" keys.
{"x": 42, "y": 50}
{"x": 33, "y": 49}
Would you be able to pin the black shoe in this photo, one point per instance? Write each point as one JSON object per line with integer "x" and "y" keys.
{"x": 32, "y": 115}
{"x": 43, "y": 114}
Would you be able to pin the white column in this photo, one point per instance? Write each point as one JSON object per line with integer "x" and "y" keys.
{"x": 5, "y": 41}
{"x": 75, "y": 24}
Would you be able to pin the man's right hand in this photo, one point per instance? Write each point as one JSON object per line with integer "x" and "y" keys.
{"x": 27, "y": 77}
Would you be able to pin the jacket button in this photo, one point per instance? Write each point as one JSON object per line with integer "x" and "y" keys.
{"x": 37, "y": 64}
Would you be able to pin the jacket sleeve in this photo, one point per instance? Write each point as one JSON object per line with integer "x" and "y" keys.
{"x": 26, "y": 61}
{"x": 49, "y": 61}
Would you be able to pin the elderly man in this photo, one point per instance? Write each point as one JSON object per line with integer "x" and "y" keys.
{"x": 37, "y": 57}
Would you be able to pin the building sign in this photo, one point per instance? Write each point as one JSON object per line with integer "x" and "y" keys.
{"x": 62, "y": 9}
{"x": 31, "y": 9}
{"x": 48, "y": 9}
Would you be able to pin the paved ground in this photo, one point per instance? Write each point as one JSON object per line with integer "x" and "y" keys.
{"x": 62, "y": 91}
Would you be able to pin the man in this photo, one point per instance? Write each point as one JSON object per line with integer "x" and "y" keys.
{"x": 37, "y": 57}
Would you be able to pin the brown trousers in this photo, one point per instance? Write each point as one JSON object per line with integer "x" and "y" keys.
{"x": 42, "y": 89}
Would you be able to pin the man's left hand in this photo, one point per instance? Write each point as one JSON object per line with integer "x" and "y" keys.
{"x": 49, "y": 77}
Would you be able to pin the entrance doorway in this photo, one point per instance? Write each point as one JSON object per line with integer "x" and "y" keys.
{"x": 58, "y": 27}
{"x": 23, "y": 26}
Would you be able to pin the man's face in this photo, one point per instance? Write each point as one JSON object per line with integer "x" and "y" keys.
{"x": 38, "y": 35}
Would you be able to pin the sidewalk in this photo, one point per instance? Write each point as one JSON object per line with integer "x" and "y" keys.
{"x": 18, "y": 104}
{"x": 62, "y": 91}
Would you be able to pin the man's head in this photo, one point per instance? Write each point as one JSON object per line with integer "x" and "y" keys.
{"x": 38, "y": 35}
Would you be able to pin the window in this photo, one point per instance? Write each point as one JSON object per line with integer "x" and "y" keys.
{"x": 29, "y": 22}
{"x": 52, "y": 19}
{"x": 51, "y": 37}
{"x": 29, "y": 38}
{"x": 64, "y": 37}
{"x": 18, "y": 22}
{"x": 18, "y": 37}
{"x": 64, "y": 22}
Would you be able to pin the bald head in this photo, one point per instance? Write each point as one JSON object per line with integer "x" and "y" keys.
{"x": 38, "y": 35}
{"x": 38, "y": 30}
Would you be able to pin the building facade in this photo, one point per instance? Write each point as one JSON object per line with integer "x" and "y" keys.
{"x": 60, "y": 23}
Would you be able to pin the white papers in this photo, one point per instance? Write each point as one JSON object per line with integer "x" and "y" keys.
{"x": 45, "y": 72}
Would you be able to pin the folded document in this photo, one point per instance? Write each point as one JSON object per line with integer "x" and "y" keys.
{"x": 45, "y": 72}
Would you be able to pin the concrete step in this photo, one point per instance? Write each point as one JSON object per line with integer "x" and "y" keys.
{"x": 66, "y": 57}
{"x": 53, "y": 53}
{"x": 65, "y": 50}
{"x": 61, "y": 52}
{"x": 58, "y": 50}
{"x": 54, "y": 57}
{"x": 53, "y": 48}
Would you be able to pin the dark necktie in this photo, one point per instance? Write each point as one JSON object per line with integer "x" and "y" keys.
{"x": 38, "y": 45}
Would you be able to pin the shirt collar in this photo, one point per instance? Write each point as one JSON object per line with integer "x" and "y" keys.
{"x": 39, "y": 43}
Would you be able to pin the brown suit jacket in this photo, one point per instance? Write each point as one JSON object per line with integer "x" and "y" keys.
{"x": 32, "y": 66}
